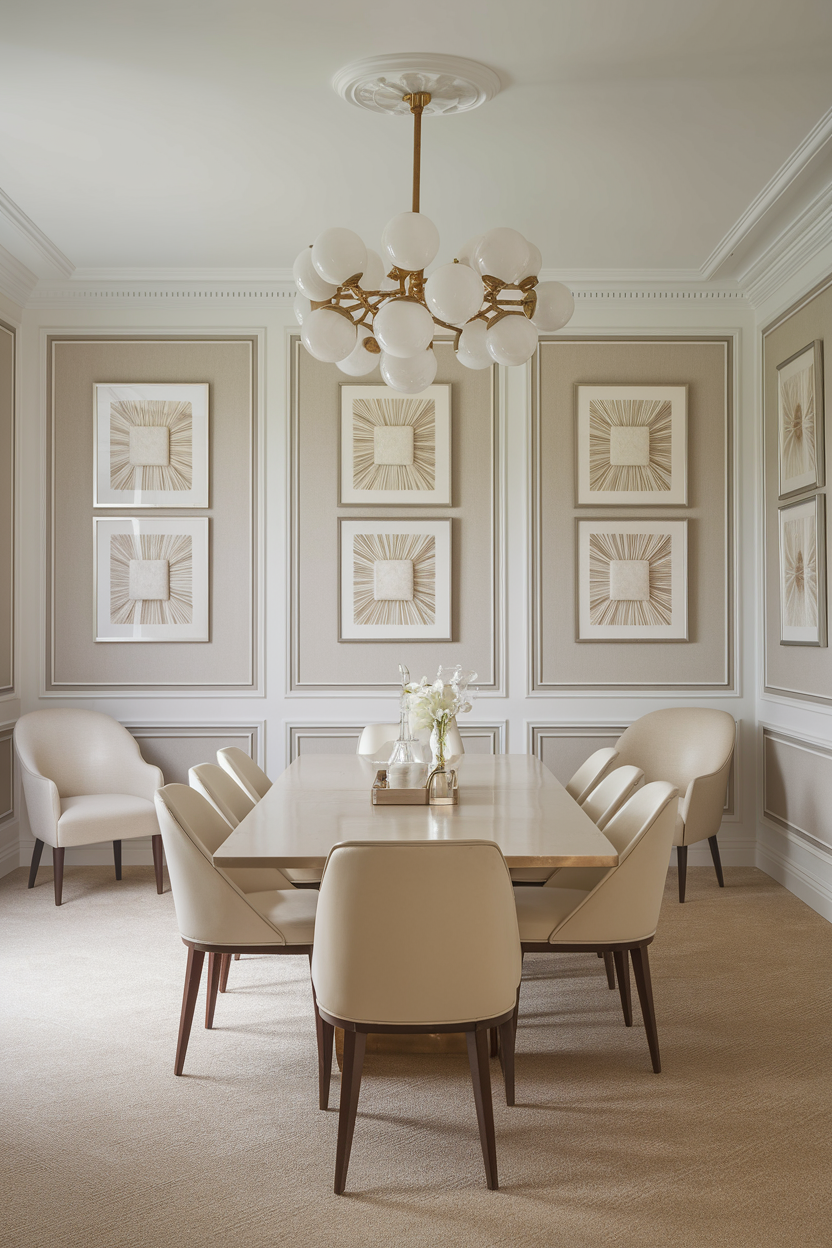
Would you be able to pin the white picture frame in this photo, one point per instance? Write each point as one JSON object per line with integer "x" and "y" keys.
{"x": 632, "y": 445}
{"x": 151, "y": 445}
{"x": 802, "y": 559}
{"x": 395, "y": 448}
{"x": 395, "y": 580}
{"x": 632, "y": 580}
{"x": 800, "y": 421}
{"x": 167, "y": 600}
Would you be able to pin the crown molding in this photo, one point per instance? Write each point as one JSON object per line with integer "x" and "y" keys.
{"x": 798, "y": 244}
{"x": 34, "y": 236}
{"x": 16, "y": 281}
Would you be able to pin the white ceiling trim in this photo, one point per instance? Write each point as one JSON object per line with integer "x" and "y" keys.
{"x": 798, "y": 244}
{"x": 16, "y": 281}
{"x": 34, "y": 236}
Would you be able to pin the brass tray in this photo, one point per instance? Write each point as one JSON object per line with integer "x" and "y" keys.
{"x": 383, "y": 795}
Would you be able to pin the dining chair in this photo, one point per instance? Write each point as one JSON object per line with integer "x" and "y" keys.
{"x": 375, "y": 738}
{"x": 229, "y": 800}
{"x": 590, "y": 773}
{"x": 620, "y": 913}
{"x": 85, "y": 782}
{"x": 691, "y": 747}
{"x": 251, "y": 778}
{"x": 415, "y": 937}
{"x": 215, "y": 916}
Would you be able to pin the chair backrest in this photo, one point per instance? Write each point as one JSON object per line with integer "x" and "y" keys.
{"x": 421, "y": 932}
{"x": 590, "y": 773}
{"x": 375, "y": 738}
{"x": 678, "y": 744}
{"x": 84, "y": 752}
{"x": 209, "y": 907}
{"x": 224, "y": 794}
{"x": 611, "y": 794}
{"x": 625, "y": 904}
{"x": 245, "y": 771}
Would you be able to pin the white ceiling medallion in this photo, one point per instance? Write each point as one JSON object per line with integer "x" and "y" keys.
{"x": 380, "y": 83}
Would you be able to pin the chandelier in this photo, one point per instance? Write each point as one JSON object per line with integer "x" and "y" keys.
{"x": 360, "y": 309}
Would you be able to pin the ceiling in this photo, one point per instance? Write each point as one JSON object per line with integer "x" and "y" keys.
{"x": 204, "y": 134}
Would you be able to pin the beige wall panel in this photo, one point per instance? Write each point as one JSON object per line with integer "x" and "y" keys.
{"x": 319, "y": 660}
{"x": 559, "y": 659}
{"x": 343, "y": 739}
{"x": 563, "y": 748}
{"x": 6, "y": 508}
{"x": 175, "y": 748}
{"x": 805, "y": 671}
{"x": 6, "y": 773}
{"x": 797, "y": 786}
{"x": 228, "y": 658}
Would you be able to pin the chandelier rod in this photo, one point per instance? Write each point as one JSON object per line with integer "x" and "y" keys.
{"x": 417, "y": 100}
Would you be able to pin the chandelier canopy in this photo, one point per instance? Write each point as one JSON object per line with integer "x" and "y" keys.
{"x": 360, "y": 309}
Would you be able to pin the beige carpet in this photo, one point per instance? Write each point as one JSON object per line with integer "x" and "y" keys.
{"x": 101, "y": 1145}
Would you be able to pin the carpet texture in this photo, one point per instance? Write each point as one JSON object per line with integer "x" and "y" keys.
{"x": 101, "y": 1145}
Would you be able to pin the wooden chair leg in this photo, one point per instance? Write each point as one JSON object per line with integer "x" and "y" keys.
{"x": 237, "y": 957}
{"x": 224, "y": 969}
{"x": 193, "y": 974}
{"x": 33, "y": 869}
{"x": 355, "y": 1044}
{"x": 609, "y": 967}
{"x": 493, "y": 1046}
{"x": 325, "y": 1033}
{"x": 117, "y": 858}
{"x": 156, "y": 843}
{"x": 507, "y": 1039}
{"x": 641, "y": 967}
{"x": 622, "y": 970}
{"x": 714, "y": 848}
{"x": 682, "y": 860}
{"x": 481, "y": 1079}
{"x": 58, "y": 870}
{"x": 214, "y": 968}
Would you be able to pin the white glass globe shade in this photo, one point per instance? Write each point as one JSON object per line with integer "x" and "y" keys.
{"x": 454, "y": 293}
{"x": 409, "y": 376}
{"x": 403, "y": 327}
{"x": 373, "y": 272}
{"x": 338, "y": 255}
{"x": 302, "y": 307}
{"x": 471, "y": 349}
{"x": 502, "y": 253}
{"x": 465, "y": 255}
{"x": 555, "y": 306}
{"x": 411, "y": 241}
{"x": 360, "y": 362}
{"x": 328, "y": 335}
{"x": 534, "y": 263}
{"x": 308, "y": 279}
{"x": 512, "y": 340}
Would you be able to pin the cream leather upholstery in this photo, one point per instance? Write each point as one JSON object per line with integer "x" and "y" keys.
{"x": 84, "y": 778}
{"x": 210, "y": 908}
{"x": 226, "y": 796}
{"x": 251, "y": 778}
{"x": 690, "y": 747}
{"x": 603, "y": 802}
{"x": 623, "y": 905}
{"x": 376, "y": 738}
{"x": 416, "y": 933}
{"x": 590, "y": 773}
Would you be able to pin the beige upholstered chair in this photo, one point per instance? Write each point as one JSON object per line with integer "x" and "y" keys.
{"x": 415, "y": 937}
{"x": 377, "y": 741}
{"x": 85, "y": 782}
{"x": 215, "y": 916}
{"x": 251, "y": 778}
{"x": 226, "y": 796}
{"x": 619, "y": 913}
{"x": 690, "y": 747}
{"x": 590, "y": 773}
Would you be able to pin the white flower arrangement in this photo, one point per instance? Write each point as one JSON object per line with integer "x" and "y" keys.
{"x": 434, "y": 706}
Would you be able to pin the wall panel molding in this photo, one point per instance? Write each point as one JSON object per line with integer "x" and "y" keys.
{"x": 344, "y": 737}
{"x": 7, "y": 810}
{"x": 797, "y": 796}
{"x": 8, "y": 508}
{"x": 178, "y": 745}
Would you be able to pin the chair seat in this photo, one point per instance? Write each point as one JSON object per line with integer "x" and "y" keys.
{"x": 105, "y": 817}
{"x": 256, "y": 879}
{"x": 304, "y": 875}
{"x": 530, "y": 875}
{"x": 541, "y": 910}
{"x": 292, "y": 911}
{"x": 679, "y": 830}
{"x": 583, "y": 878}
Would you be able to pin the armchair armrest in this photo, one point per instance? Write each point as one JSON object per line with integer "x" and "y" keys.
{"x": 702, "y": 806}
{"x": 43, "y": 804}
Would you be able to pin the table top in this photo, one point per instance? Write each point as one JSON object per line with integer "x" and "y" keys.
{"x": 323, "y": 799}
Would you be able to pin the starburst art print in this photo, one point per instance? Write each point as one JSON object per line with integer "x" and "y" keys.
{"x": 151, "y": 580}
{"x": 800, "y": 420}
{"x": 632, "y": 579}
{"x": 395, "y": 579}
{"x": 151, "y": 445}
{"x": 632, "y": 444}
{"x": 802, "y": 575}
{"x": 395, "y": 449}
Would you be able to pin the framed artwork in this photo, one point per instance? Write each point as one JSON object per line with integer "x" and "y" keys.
{"x": 395, "y": 580}
{"x": 803, "y": 573}
{"x": 151, "y": 579}
{"x": 800, "y": 420}
{"x": 395, "y": 448}
{"x": 632, "y": 580}
{"x": 632, "y": 445}
{"x": 151, "y": 445}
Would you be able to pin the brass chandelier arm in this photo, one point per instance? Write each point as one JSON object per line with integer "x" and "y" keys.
{"x": 418, "y": 101}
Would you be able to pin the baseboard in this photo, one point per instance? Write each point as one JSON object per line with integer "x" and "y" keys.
{"x": 136, "y": 852}
{"x": 734, "y": 851}
{"x": 9, "y": 848}
{"x": 798, "y": 866}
